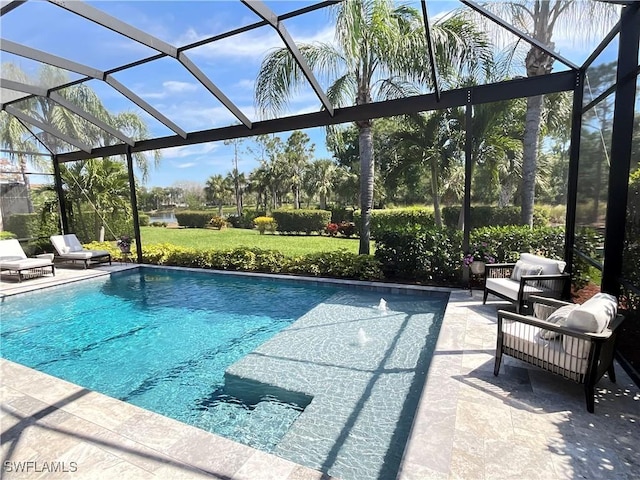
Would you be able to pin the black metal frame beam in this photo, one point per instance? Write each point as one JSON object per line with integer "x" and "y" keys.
{"x": 62, "y": 204}
{"x": 468, "y": 173}
{"x": 46, "y": 128}
{"x": 266, "y": 14}
{"x": 134, "y": 204}
{"x": 59, "y": 99}
{"x": 574, "y": 163}
{"x": 144, "y": 105}
{"x": 93, "y": 73}
{"x": 555, "y": 82}
{"x": 118, "y": 26}
{"x": 621, "y": 145}
{"x": 432, "y": 57}
{"x": 10, "y": 6}
{"x": 524, "y": 36}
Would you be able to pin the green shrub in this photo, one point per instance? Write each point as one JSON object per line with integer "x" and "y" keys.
{"x": 32, "y": 225}
{"x": 158, "y": 224}
{"x": 485, "y": 215}
{"x": 143, "y": 219}
{"x": 217, "y": 222}
{"x": 194, "y": 219}
{"x": 306, "y": 221}
{"x": 340, "y": 214}
{"x": 7, "y": 235}
{"x": 246, "y": 219}
{"x": 397, "y": 220}
{"x": 432, "y": 254}
{"x": 265, "y": 223}
{"x": 340, "y": 264}
{"x": 506, "y": 243}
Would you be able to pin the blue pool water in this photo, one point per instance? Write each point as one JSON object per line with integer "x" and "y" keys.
{"x": 317, "y": 374}
{"x": 158, "y": 339}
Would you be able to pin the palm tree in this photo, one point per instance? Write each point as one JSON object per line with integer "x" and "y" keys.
{"x": 14, "y": 136}
{"x": 540, "y": 19}
{"x": 216, "y": 190}
{"x": 379, "y": 48}
{"x": 320, "y": 180}
{"x": 297, "y": 155}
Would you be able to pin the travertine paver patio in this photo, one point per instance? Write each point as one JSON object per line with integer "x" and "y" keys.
{"x": 522, "y": 424}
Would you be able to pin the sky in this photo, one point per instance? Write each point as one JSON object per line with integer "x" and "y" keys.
{"x": 232, "y": 65}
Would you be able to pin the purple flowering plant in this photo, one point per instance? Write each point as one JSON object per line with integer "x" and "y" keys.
{"x": 479, "y": 253}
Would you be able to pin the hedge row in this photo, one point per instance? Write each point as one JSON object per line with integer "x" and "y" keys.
{"x": 340, "y": 264}
{"x": 194, "y": 219}
{"x": 436, "y": 254}
{"x": 485, "y": 215}
{"x": 396, "y": 220}
{"x": 301, "y": 221}
{"x": 32, "y": 225}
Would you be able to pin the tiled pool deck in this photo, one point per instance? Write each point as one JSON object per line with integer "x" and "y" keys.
{"x": 523, "y": 424}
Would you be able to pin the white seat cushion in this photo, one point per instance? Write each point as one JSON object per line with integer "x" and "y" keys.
{"x": 526, "y": 339}
{"x": 509, "y": 288}
{"x": 549, "y": 265}
{"x": 25, "y": 263}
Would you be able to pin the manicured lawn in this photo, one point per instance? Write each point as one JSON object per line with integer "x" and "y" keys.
{"x": 229, "y": 238}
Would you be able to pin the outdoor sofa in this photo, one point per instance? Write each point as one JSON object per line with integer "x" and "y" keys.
{"x": 69, "y": 249}
{"x": 530, "y": 275}
{"x": 13, "y": 259}
{"x": 576, "y": 342}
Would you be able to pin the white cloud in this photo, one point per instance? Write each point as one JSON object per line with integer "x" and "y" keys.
{"x": 171, "y": 88}
{"x": 252, "y": 45}
{"x": 188, "y": 151}
{"x": 185, "y": 165}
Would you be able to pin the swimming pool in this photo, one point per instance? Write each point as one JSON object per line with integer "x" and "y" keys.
{"x": 259, "y": 361}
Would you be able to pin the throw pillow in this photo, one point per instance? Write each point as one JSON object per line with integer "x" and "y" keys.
{"x": 595, "y": 314}
{"x": 558, "y": 317}
{"x": 523, "y": 269}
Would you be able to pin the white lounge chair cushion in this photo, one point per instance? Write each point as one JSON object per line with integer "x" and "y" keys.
{"x": 85, "y": 254}
{"x": 10, "y": 249}
{"x": 595, "y": 314}
{"x": 523, "y": 268}
{"x": 549, "y": 265}
{"x": 510, "y": 288}
{"x": 526, "y": 339}
{"x": 25, "y": 263}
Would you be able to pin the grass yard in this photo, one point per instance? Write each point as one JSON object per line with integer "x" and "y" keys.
{"x": 229, "y": 238}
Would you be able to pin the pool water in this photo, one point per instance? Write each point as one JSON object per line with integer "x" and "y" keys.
{"x": 319, "y": 374}
{"x": 158, "y": 339}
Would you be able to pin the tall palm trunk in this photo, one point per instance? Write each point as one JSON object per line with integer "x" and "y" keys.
{"x": 323, "y": 201}
{"x": 434, "y": 191}
{"x": 537, "y": 63}
{"x": 365, "y": 142}
{"x": 25, "y": 180}
{"x": 529, "y": 157}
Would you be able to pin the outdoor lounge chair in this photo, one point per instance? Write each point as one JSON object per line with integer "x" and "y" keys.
{"x": 530, "y": 275}
{"x": 70, "y": 249}
{"x": 576, "y": 342}
{"x": 13, "y": 259}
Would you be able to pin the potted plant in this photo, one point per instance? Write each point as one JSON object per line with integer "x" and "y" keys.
{"x": 478, "y": 256}
{"x": 124, "y": 243}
